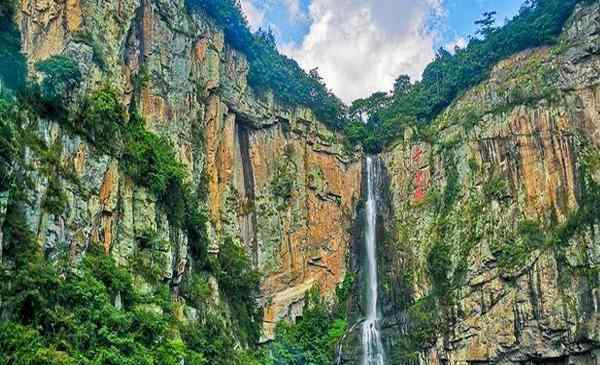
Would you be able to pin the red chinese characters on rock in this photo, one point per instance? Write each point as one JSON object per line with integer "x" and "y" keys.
{"x": 420, "y": 179}
{"x": 419, "y": 182}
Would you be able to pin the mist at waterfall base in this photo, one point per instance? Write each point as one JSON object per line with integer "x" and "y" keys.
{"x": 373, "y": 353}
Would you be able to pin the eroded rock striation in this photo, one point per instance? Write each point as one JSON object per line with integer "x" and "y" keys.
{"x": 486, "y": 226}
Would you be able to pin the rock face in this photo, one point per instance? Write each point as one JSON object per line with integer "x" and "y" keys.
{"x": 278, "y": 181}
{"x": 288, "y": 194}
{"x": 517, "y": 148}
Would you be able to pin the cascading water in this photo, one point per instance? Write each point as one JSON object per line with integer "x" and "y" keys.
{"x": 373, "y": 353}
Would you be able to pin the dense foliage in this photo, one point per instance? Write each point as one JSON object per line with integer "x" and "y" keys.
{"x": 7, "y": 147}
{"x": 240, "y": 283}
{"x": 94, "y": 314}
{"x": 102, "y": 119}
{"x": 269, "y": 70}
{"x": 61, "y": 76}
{"x": 314, "y": 336}
{"x": 91, "y": 315}
{"x": 12, "y": 62}
{"x": 284, "y": 178}
{"x": 539, "y": 22}
{"x": 66, "y": 313}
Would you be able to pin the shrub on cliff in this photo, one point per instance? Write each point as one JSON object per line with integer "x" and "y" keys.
{"x": 8, "y": 149}
{"x": 61, "y": 76}
{"x": 312, "y": 339}
{"x": 150, "y": 160}
{"x": 50, "y": 98}
{"x": 284, "y": 179}
{"x": 240, "y": 284}
{"x": 103, "y": 117}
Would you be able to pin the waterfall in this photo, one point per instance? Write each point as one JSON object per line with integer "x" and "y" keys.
{"x": 373, "y": 353}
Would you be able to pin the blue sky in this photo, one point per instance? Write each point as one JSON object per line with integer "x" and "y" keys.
{"x": 360, "y": 46}
{"x": 461, "y": 15}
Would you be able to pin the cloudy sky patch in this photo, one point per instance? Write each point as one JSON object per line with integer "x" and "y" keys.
{"x": 361, "y": 46}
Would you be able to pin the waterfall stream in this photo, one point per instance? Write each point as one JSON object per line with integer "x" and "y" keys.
{"x": 373, "y": 353}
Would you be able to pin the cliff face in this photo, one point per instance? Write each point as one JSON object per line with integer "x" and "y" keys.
{"x": 277, "y": 180}
{"x": 493, "y": 224}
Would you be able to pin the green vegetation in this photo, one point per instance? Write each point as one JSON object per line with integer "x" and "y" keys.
{"x": 269, "y": 70}
{"x": 240, "y": 283}
{"x": 55, "y": 199}
{"x": 539, "y": 22}
{"x": 312, "y": 339}
{"x": 439, "y": 265}
{"x": 151, "y": 257}
{"x": 93, "y": 313}
{"x": 61, "y": 76}
{"x": 196, "y": 290}
{"x": 151, "y": 161}
{"x": 8, "y": 149}
{"x": 495, "y": 188}
{"x": 50, "y": 99}
{"x": 69, "y": 316}
{"x": 147, "y": 158}
{"x": 215, "y": 339}
{"x": 425, "y": 327}
{"x": 102, "y": 119}
{"x": 284, "y": 179}
{"x": 13, "y": 70}
{"x": 514, "y": 253}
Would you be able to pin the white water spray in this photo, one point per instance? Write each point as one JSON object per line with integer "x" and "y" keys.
{"x": 373, "y": 353}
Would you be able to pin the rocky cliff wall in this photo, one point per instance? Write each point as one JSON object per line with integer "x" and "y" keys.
{"x": 491, "y": 251}
{"x": 277, "y": 180}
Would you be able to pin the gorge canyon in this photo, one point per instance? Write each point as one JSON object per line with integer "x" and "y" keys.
{"x": 474, "y": 241}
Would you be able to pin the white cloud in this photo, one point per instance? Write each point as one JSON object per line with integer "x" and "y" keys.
{"x": 295, "y": 10}
{"x": 459, "y": 42}
{"x": 255, "y": 15}
{"x": 361, "y": 46}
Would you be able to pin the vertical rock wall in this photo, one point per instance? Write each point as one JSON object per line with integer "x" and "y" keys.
{"x": 515, "y": 149}
{"x": 279, "y": 182}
